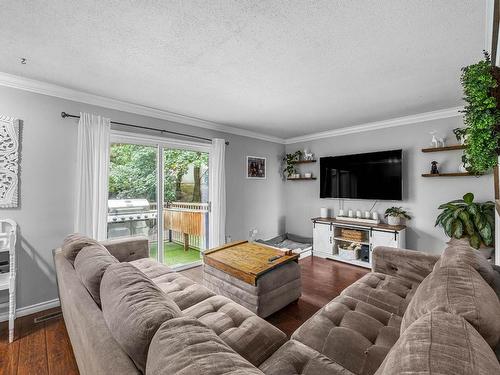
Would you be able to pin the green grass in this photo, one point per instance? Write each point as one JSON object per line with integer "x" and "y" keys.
{"x": 174, "y": 254}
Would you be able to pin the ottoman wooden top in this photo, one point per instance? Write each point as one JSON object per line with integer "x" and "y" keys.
{"x": 246, "y": 261}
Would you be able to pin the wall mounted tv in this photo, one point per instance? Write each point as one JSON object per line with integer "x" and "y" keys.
{"x": 374, "y": 175}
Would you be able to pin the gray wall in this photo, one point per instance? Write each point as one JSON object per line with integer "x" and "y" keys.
{"x": 422, "y": 195}
{"x": 47, "y": 183}
{"x": 48, "y": 159}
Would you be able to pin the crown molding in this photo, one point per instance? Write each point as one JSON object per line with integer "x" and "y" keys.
{"x": 399, "y": 121}
{"x": 44, "y": 88}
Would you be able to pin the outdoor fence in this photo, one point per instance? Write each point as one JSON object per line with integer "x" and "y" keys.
{"x": 187, "y": 223}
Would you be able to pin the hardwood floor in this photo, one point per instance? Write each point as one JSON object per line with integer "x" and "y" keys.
{"x": 44, "y": 348}
{"x": 322, "y": 281}
{"x": 39, "y": 348}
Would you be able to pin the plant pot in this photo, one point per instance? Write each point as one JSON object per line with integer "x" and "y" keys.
{"x": 394, "y": 220}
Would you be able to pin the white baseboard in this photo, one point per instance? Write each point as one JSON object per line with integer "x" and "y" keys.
{"x": 305, "y": 254}
{"x": 28, "y": 310}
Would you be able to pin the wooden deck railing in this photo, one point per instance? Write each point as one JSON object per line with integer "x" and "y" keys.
{"x": 187, "y": 223}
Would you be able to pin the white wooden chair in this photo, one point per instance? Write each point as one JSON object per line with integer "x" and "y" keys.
{"x": 8, "y": 236}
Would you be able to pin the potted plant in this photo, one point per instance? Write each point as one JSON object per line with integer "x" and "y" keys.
{"x": 464, "y": 218}
{"x": 481, "y": 115}
{"x": 290, "y": 160}
{"x": 396, "y": 215}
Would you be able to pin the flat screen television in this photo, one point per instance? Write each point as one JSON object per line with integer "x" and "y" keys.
{"x": 373, "y": 175}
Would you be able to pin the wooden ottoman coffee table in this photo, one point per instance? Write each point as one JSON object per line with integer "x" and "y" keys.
{"x": 259, "y": 277}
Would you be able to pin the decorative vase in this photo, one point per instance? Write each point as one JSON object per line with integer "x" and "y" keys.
{"x": 324, "y": 212}
{"x": 393, "y": 220}
{"x": 463, "y": 139}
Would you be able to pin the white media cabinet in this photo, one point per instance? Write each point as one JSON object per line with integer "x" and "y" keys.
{"x": 327, "y": 237}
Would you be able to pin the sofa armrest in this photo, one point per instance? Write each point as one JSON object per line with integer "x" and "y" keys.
{"x": 128, "y": 248}
{"x": 409, "y": 264}
{"x": 187, "y": 346}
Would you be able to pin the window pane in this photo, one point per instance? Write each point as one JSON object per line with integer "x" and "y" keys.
{"x": 132, "y": 207}
{"x": 186, "y": 206}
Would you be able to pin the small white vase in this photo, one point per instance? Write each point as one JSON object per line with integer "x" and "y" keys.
{"x": 393, "y": 220}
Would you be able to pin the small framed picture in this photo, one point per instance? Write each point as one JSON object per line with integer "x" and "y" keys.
{"x": 256, "y": 167}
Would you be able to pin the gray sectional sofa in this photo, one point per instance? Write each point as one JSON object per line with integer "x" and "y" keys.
{"x": 414, "y": 314}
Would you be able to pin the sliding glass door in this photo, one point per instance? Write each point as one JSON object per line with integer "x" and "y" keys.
{"x": 185, "y": 208}
{"x": 156, "y": 184}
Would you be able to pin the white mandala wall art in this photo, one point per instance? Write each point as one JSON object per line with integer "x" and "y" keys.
{"x": 9, "y": 161}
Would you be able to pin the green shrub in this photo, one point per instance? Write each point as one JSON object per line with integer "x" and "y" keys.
{"x": 481, "y": 116}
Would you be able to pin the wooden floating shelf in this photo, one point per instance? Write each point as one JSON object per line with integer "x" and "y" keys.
{"x": 458, "y": 174}
{"x": 301, "y": 178}
{"x": 446, "y": 148}
{"x": 304, "y": 161}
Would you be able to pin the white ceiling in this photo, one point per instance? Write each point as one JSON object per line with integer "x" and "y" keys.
{"x": 282, "y": 68}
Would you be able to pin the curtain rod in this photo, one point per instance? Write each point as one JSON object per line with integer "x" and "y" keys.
{"x": 64, "y": 115}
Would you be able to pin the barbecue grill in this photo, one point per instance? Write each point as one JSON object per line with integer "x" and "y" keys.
{"x": 128, "y": 217}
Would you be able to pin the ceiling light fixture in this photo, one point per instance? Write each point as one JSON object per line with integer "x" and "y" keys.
{"x": 23, "y": 60}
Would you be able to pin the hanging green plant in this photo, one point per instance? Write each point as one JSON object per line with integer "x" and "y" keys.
{"x": 481, "y": 116}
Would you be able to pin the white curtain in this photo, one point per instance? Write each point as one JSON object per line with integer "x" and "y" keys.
{"x": 217, "y": 193}
{"x": 92, "y": 175}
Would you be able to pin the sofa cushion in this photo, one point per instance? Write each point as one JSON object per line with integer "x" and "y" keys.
{"x": 460, "y": 253}
{"x": 186, "y": 346}
{"x": 90, "y": 264}
{"x": 460, "y": 291}
{"x": 134, "y": 308}
{"x": 353, "y": 333}
{"x": 73, "y": 243}
{"x": 440, "y": 343}
{"x": 250, "y": 336}
{"x": 184, "y": 291}
{"x": 297, "y": 358}
{"x": 390, "y": 293}
{"x": 150, "y": 267}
